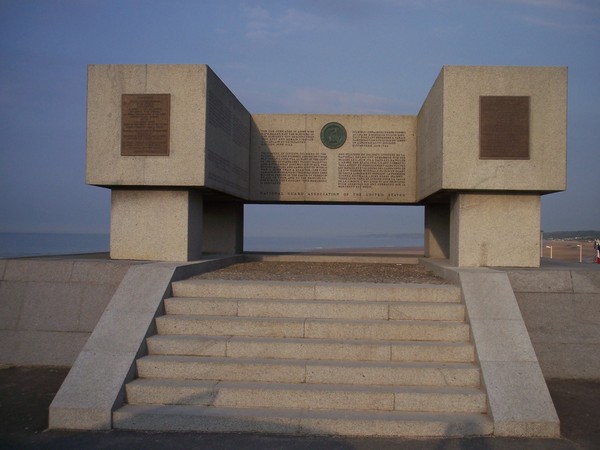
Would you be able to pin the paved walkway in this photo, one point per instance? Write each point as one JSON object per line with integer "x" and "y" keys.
{"x": 26, "y": 393}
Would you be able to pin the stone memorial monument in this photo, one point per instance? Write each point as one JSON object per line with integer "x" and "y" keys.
{"x": 182, "y": 156}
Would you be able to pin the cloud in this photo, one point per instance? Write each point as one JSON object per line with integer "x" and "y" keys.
{"x": 573, "y": 5}
{"x": 320, "y": 101}
{"x": 265, "y": 25}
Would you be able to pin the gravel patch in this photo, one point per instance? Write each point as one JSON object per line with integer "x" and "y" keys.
{"x": 325, "y": 271}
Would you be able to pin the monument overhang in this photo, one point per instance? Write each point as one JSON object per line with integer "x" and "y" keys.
{"x": 173, "y": 141}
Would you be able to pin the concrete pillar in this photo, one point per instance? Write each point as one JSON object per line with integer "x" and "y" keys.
{"x": 437, "y": 230}
{"x": 156, "y": 224}
{"x": 223, "y": 227}
{"x": 495, "y": 230}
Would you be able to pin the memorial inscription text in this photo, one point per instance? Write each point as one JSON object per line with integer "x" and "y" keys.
{"x": 366, "y": 170}
{"x": 145, "y": 124}
{"x": 292, "y": 167}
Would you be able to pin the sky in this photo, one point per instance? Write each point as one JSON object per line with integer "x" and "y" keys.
{"x": 277, "y": 56}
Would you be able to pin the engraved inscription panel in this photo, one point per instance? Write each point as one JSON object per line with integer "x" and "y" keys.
{"x": 145, "y": 124}
{"x": 295, "y": 159}
{"x": 504, "y": 127}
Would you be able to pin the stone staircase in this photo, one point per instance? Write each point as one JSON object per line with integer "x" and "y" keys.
{"x": 309, "y": 358}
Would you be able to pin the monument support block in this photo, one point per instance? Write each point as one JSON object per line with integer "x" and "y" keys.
{"x": 495, "y": 230}
{"x": 437, "y": 236}
{"x": 156, "y": 224}
{"x": 223, "y": 227}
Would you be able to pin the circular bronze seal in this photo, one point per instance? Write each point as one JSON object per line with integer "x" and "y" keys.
{"x": 333, "y": 135}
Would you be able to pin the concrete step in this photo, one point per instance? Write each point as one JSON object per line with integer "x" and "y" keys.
{"x": 309, "y": 371}
{"x": 303, "y": 348}
{"x": 229, "y": 394}
{"x": 412, "y": 330}
{"x": 300, "y": 422}
{"x": 382, "y": 292}
{"x": 332, "y": 309}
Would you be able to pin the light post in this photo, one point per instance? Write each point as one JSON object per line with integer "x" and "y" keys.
{"x": 550, "y": 247}
{"x": 580, "y": 250}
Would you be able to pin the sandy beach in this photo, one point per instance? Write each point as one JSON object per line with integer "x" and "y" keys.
{"x": 568, "y": 250}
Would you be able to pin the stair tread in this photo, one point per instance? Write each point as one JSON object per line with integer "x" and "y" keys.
{"x": 399, "y": 322}
{"x": 225, "y": 384}
{"x": 310, "y": 290}
{"x": 300, "y": 362}
{"x": 307, "y": 340}
{"x": 310, "y": 301}
{"x": 290, "y": 412}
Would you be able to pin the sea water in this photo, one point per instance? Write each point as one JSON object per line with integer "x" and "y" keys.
{"x": 14, "y": 245}
{"x": 294, "y": 244}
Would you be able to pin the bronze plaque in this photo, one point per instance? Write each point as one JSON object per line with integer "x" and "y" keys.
{"x": 503, "y": 127}
{"x": 145, "y": 124}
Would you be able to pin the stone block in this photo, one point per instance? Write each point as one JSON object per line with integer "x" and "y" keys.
{"x": 551, "y": 281}
{"x": 51, "y": 306}
{"x": 416, "y": 311}
{"x": 223, "y": 227}
{"x": 586, "y": 281}
{"x": 491, "y": 294}
{"x": 99, "y": 272}
{"x": 561, "y": 318}
{"x": 303, "y": 396}
{"x": 244, "y": 289}
{"x": 121, "y": 331}
{"x": 94, "y": 301}
{"x": 410, "y": 330}
{"x": 437, "y": 233}
{"x": 156, "y": 225}
{"x": 502, "y": 340}
{"x": 373, "y": 158}
{"x": 201, "y": 306}
{"x": 219, "y": 326}
{"x": 314, "y": 308}
{"x": 97, "y": 372}
{"x": 291, "y": 348}
{"x": 2, "y": 268}
{"x": 183, "y": 418}
{"x": 207, "y": 126}
{"x": 172, "y": 392}
{"x": 209, "y": 368}
{"x": 587, "y": 309}
{"x": 568, "y": 360}
{"x": 40, "y": 348}
{"x": 546, "y": 310}
{"x": 438, "y": 351}
{"x": 381, "y": 373}
{"x": 38, "y": 270}
{"x": 495, "y": 230}
{"x": 520, "y": 403}
{"x": 188, "y": 345}
{"x": 107, "y": 360}
{"x": 12, "y": 295}
{"x": 449, "y": 155}
{"x": 454, "y": 400}
{"x": 430, "y": 145}
{"x": 143, "y": 288}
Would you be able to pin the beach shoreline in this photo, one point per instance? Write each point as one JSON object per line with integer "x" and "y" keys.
{"x": 569, "y": 250}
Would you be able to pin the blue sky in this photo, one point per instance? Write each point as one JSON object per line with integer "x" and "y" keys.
{"x": 305, "y": 56}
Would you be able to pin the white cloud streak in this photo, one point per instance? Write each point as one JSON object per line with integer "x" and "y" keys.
{"x": 263, "y": 25}
{"x": 573, "y": 5}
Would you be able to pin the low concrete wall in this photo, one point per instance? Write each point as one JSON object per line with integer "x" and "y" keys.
{"x": 50, "y": 306}
{"x": 561, "y": 309}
